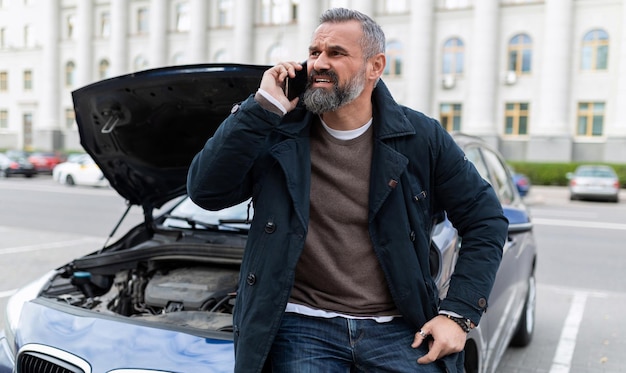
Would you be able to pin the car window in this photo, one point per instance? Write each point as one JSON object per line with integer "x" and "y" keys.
{"x": 234, "y": 216}
{"x": 473, "y": 154}
{"x": 595, "y": 172}
{"x": 501, "y": 178}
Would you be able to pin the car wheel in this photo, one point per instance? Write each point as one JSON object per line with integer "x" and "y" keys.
{"x": 526, "y": 325}
{"x": 69, "y": 180}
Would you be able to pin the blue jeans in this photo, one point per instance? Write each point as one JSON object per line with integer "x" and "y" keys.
{"x": 311, "y": 345}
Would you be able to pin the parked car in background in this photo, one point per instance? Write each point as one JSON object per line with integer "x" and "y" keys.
{"x": 160, "y": 299}
{"x": 594, "y": 182}
{"x": 522, "y": 182}
{"x": 45, "y": 161}
{"x": 80, "y": 170}
{"x": 14, "y": 165}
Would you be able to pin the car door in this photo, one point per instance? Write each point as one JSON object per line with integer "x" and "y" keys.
{"x": 504, "y": 299}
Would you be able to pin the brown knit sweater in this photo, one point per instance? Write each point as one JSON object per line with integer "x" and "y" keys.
{"x": 338, "y": 270}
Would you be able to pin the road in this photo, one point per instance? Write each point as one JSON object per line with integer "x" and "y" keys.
{"x": 581, "y": 296}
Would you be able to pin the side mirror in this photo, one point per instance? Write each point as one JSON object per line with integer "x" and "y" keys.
{"x": 518, "y": 220}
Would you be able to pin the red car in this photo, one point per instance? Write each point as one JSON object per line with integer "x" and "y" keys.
{"x": 44, "y": 162}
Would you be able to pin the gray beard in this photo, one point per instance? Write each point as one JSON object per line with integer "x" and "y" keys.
{"x": 320, "y": 100}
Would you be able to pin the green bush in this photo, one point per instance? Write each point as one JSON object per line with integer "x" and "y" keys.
{"x": 555, "y": 173}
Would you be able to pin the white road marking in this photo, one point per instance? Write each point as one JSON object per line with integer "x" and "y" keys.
{"x": 7, "y": 293}
{"x": 48, "y": 245}
{"x": 567, "y": 342}
{"x": 579, "y": 224}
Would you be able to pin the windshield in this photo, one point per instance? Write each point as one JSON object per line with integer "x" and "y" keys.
{"x": 189, "y": 215}
{"x": 595, "y": 172}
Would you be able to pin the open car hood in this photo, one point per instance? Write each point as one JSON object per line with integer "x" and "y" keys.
{"x": 143, "y": 129}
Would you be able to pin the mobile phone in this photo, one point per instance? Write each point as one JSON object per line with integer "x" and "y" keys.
{"x": 295, "y": 86}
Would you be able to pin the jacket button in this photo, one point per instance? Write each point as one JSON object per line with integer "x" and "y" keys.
{"x": 270, "y": 227}
{"x": 412, "y": 236}
{"x": 482, "y": 302}
{"x": 251, "y": 279}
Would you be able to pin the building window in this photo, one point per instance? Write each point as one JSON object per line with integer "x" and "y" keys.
{"x": 4, "y": 81}
{"x": 278, "y": 12}
{"x": 394, "y": 58}
{"x": 520, "y": 54}
{"x": 590, "y": 119}
{"x": 225, "y": 13}
{"x": 339, "y": 4}
{"x": 453, "y": 56}
{"x": 222, "y": 56}
{"x": 455, "y": 4}
{"x": 105, "y": 24}
{"x": 142, "y": 20}
{"x": 70, "y": 118}
{"x": 29, "y": 40}
{"x": 70, "y": 70}
{"x": 595, "y": 50}
{"x": 450, "y": 116}
{"x": 276, "y": 53}
{"x": 70, "y": 26}
{"x": 516, "y": 118}
{"x": 182, "y": 17}
{"x": 396, "y": 6}
{"x": 27, "y": 130}
{"x": 140, "y": 63}
{"x": 4, "y": 119}
{"x": 103, "y": 69}
{"x": 178, "y": 59}
{"x": 28, "y": 80}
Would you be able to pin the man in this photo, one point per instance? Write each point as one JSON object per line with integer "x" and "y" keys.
{"x": 346, "y": 185}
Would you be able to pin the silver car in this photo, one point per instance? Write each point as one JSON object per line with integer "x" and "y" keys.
{"x": 160, "y": 299}
{"x": 594, "y": 182}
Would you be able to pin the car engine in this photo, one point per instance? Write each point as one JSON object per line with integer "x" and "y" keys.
{"x": 185, "y": 295}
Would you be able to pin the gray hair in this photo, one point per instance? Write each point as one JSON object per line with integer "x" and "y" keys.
{"x": 373, "y": 41}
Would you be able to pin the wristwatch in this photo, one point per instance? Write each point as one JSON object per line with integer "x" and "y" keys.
{"x": 465, "y": 324}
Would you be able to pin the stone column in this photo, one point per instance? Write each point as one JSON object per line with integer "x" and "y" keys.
{"x": 119, "y": 34}
{"x": 243, "y": 46}
{"x": 308, "y": 18}
{"x": 84, "y": 39}
{"x": 365, "y": 6}
{"x": 550, "y": 130}
{"x": 48, "y": 134}
{"x": 480, "y": 112}
{"x": 198, "y": 32}
{"x": 615, "y": 130}
{"x": 417, "y": 66}
{"x": 158, "y": 33}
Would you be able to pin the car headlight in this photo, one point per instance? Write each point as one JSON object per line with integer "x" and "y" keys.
{"x": 16, "y": 303}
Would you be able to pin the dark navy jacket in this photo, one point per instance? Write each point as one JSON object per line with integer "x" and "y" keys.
{"x": 417, "y": 171}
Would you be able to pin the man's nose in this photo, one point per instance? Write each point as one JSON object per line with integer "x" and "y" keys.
{"x": 321, "y": 63}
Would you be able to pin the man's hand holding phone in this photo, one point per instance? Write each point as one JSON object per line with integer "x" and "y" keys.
{"x": 283, "y": 83}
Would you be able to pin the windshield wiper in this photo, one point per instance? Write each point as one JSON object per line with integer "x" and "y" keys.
{"x": 221, "y": 226}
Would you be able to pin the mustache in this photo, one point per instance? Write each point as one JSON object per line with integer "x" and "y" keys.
{"x": 326, "y": 74}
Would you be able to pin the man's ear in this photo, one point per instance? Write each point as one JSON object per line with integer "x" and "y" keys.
{"x": 377, "y": 65}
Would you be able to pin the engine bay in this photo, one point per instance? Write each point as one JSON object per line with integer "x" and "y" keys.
{"x": 185, "y": 293}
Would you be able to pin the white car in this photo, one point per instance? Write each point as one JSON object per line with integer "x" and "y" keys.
{"x": 81, "y": 170}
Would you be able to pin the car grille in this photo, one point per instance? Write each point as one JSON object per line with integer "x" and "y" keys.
{"x": 35, "y": 362}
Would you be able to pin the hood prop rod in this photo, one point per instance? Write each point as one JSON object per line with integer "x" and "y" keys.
{"x": 116, "y": 227}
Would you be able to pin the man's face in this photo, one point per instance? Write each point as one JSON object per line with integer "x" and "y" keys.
{"x": 337, "y": 68}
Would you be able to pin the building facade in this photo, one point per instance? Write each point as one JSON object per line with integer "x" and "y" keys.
{"x": 541, "y": 80}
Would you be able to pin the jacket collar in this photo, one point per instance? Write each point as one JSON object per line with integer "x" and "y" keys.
{"x": 389, "y": 118}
